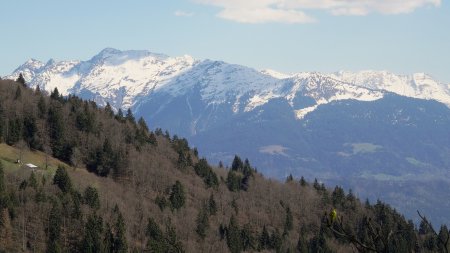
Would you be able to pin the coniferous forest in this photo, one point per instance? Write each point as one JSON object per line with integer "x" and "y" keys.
{"x": 106, "y": 182}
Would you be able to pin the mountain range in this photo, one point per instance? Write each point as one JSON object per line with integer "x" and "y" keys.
{"x": 381, "y": 134}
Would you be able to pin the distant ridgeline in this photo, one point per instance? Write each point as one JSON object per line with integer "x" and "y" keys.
{"x": 106, "y": 183}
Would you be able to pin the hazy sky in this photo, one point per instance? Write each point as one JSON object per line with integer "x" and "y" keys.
{"x": 402, "y": 36}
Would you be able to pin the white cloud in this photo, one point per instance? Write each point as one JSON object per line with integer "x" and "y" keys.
{"x": 296, "y": 11}
{"x": 179, "y": 13}
{"x": 265, "y": 15}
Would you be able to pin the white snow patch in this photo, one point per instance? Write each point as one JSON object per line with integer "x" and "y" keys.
{"x": 276, "y": 74}
{"x": 258, "y": 100}
{"x": 300, "y": 114}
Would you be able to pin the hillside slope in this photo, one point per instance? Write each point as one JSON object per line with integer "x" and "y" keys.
{"x": 123, "y": 188}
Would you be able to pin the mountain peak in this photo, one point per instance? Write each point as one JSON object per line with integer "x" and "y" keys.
{"x": 126, "y": 78}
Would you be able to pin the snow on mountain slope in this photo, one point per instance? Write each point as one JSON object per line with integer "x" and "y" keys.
{"x": 220, "y": 82}
{"x": 324, "y": 89}
{"x": 127, "y": 78}
{"x": 118, "y": 77}
{"x": 419, "y": 85}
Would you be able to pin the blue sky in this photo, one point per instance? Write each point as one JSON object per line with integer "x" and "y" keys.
{"x": 402, "y": 36}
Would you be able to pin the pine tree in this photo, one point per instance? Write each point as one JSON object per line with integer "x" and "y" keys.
{"x": 237, "y": 164}
{"x": 91, "y": 197}
{"x": 15, "y": 131}
{"x": 21, "y": 80}
{"x": 177, "y": 196}
{"x": 120, "y": 241}
{"x": 108, "y": 109}
{"x": 62, "y": 179}
{"x": 130, "y": 116}
{"x": 234, "y": 236}
{"x": 264, "y": 239}
{"x": 303, "y": 182}
{"x": 29, "y": 132}
{"x": 143, "y": 125}
{"x": 212, "y": 206}
{"x": 290, "y": 178}
{"x": 443, "y": 239}
{"x": 288, "y": 222}
{"x": 108, "y": 239}
{"x": 42, "y": 107}
{"x": 173, "y": 244}
{"x": 202, "y": 222}
{"x": 233, "y": 181}
{"x": 156, "y": 241}
{"x": 55, "y": 94}
{"x": 205, "y": 171}
{"x": 247, "y": 238}
{"x": 37, "y": 90}
{"x": 338, "y": 196}
{"x": 119, "y": 115}
{"x": 56, "y": 129}
{"x": 92, "y": 241}
{"x": 54, "y": 230}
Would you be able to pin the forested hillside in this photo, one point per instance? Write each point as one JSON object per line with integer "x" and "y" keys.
{"x": 107, "y": 183}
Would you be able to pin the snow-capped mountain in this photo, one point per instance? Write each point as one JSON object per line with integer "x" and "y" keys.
{"x": 376, "y": 132}
{"x": 127, "y": 78}
{"x": 118, "y": 77}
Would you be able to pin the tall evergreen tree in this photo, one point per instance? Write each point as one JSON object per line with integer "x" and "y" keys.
{"x": 30, "y": 131}
{"x": 62, "y": 179}
{"x": 55, "y": 94}
{"x": 234, "y": 181}
{"x": 54, "y": 230}
{"x": 14, "y": 133}
{"x": 21, "y": 80}
{"x": 42, "y": 107}
{"x": 91, "y": 197}
{"x": 156, "y": 241}
{"x": 108, "y": 109}
{"x": 119, "y": 115}
{"x": 303, "y": 182}
{"x": 202, "y": 222}
{"x": 234, "y": 236}
{"x": 212, "y": 206}
{"x": 56, "y": 129}
{"x": 288, "y": 222}
{"x": 177, "y": 195}
{"x": 120, "y": 240}
{"x": 237, "y": 164}
{"x": 130, "y": 116}
{"x": 172, "y": 242}
{"x": 108, "y": 239}
{"x": 92, "y": 240}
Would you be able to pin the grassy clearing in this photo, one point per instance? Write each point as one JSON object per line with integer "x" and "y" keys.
{"x": 9, "y": 155}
